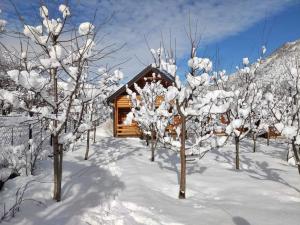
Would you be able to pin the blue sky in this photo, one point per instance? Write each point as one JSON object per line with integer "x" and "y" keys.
{"x": 272, "y": 31}
{"x": 234, "y": 27}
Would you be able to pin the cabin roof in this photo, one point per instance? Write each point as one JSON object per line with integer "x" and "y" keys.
{"x": 145, "y": 71}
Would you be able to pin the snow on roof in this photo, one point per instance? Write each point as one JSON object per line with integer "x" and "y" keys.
{"x": 148, "y": 69}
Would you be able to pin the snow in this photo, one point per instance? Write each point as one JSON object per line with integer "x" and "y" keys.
{"x": 55, "y": 52}
{"x": 163, "y": 63}
{"x": 4, "y": 173}
{"x": 106, "y": 129}
{"x": 289, "y": 131}
{"x": 269, "y": 97}
{"x": 195, "y": 81}
{"x": 171, "y": 93}
{"x": 129, "y": 118}
{"x": 119, "y": 185}
{"x": 32, "y": 32}
{"x": 73, "y": 71}
{"x": 43, "y": 11}
{"x": 46, "y": 63}
{"x": 87, "y": 48}
{"x": 119, "y": 75}
{"x": 53, "y": 26}
{"x": 200, "y": 63}
{"x": 85, "y": 28}
{"x": 28, "y": 80}
{"x": 274, "y": 68}
{"x": 245, "y": 61}
{"x": 263, "y": 49}
{"x": 169, "y": 67}
{"x": 64, "y": 10}
{"x": 84, "y": 127}
{"x": 8, "y": 97}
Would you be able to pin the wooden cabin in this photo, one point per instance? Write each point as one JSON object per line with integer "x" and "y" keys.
{"x": 122, "y": 105}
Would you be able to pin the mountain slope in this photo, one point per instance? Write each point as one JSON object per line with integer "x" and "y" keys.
{"x": 275, "y": 68}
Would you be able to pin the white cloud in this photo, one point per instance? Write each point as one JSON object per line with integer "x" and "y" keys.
{"x": 216, "y": 20}
{"x": 135, "y": 18}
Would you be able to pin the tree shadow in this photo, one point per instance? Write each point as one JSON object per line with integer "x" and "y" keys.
{"x": 195, "y": 169}
{"x": 262, "y": 170}
{"x": 224, "y": 157}
{"x": 168, "y": 160}
{"x": 261, "y": 145}
{"x": 108, "y": 150}
{"x": 268, "y": 173}
{"x": 85, "y": 186}
{"x": 240, "y": 221}
{"x": 83, "y": 189}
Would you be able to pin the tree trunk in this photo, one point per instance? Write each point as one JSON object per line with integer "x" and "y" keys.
{"x": 57, "y": 157}
{"x": 254, "y": 142}
{"x": 87, "y": 145}
{"x": 95, "y": 129}
{"x": 59, "y": 177}
{"x": 288, "y": 154}
{"x": 51, "y": 139}
{"x": 152, "y": 146}
{"x": 56, "y": 163}
{"x": 268, "y": 137}
{"x": 296, "y": 156}
{"x": 237, "y": 153}
{"x": 147, "y": 140}
{"x": 66, "y": 127}
{"x": 182, "y": 187}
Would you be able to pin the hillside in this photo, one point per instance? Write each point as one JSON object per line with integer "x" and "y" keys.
{"x": 274, "y": 67}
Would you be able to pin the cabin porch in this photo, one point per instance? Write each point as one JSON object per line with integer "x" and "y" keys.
{"x": 121, "y": 108}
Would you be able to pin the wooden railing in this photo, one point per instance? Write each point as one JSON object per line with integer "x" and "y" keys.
{"x": 126, "y": 130}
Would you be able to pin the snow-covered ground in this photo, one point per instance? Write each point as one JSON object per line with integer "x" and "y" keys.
{"x": 119, "y": 185}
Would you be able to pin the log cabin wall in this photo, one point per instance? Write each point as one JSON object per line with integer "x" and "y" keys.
{"x": 121, "y": 103}
{"x": 123, "y": 107}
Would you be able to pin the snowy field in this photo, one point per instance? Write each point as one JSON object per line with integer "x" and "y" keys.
{"x": 119, "y": 185}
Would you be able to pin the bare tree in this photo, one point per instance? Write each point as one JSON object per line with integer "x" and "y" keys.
{"x": 58, "y": 62}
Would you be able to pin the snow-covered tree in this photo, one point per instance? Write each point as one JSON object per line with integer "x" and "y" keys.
{"x": 57, "y": 65}
{"x": 95, "y": 106}
{"x": 195, "y": 99}
{"x": 247, "y": 97}
{"x": 149, "y": 110}
{"x": 283, "y": 101}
